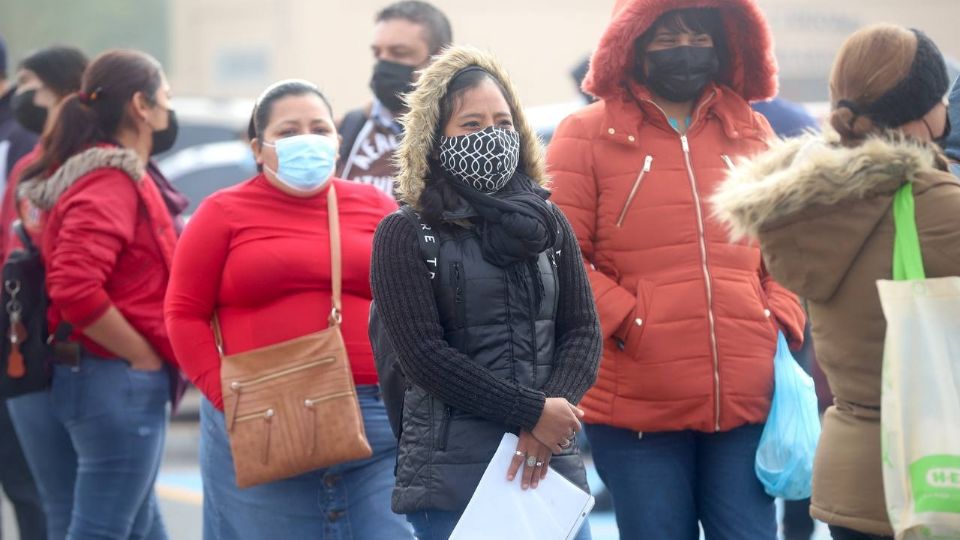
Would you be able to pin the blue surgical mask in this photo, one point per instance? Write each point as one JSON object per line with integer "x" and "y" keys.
{"x": 304, "y": 162}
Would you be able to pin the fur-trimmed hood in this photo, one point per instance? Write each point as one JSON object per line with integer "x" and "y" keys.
{"x": 420, "y": 123}
{"x": 814, "y": 204}
{"x": 44, "y": 192}
{"x": 814, "y": 170}
{"x": 752, "y": 71}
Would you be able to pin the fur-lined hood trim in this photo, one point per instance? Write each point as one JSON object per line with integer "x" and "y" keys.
{"x": 815, "y": 170}
{"x": 421, "y": 122}
{"x": 752, "y": 69}
{"x": 45, "y": 192}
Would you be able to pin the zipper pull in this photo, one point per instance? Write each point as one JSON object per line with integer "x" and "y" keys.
{"x": 684, "y": 144}
{"x": 268, "y": 418}
{"x": 647, "y": 162}
{"x": 729, "y": 162}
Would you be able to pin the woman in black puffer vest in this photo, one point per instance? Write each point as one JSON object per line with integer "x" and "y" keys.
{"x": 500, "y": 333}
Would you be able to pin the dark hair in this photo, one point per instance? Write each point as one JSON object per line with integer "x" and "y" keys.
{"x": 264, "y": 106}
{"x": 439, "y": 34}
{"x": 98, "y": 110}
{"x": 437, "y": 195}
{"x": 697, "y": 20}
{"x": 60, "y": 68}
{"x": 263, "y": 109}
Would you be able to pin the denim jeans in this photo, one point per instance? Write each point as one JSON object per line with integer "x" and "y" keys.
{"x": 663, "y": 484}
{"x": 438, "y": 525}
{"x": 18, "y": 484}
{"x": 94, "y": 443}
{"x": 350, "y": 501}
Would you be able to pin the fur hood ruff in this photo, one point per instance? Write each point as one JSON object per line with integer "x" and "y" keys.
{"x": 420, "y": 124}
{"x": 815, "y": 170}
{"x": 44, "y": 192}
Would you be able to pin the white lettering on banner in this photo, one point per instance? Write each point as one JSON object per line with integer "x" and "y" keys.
{"x": 944, "y": 478}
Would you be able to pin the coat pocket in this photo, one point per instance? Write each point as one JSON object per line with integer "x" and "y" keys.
{"x": 765, "y": 306}
{"x": 639, "y": 320}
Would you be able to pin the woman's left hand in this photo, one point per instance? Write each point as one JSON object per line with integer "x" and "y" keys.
{"x": 534, "y": 469}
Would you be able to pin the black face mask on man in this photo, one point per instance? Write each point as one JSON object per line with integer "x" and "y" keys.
{"x": 678, "y": 74}
{"x": 390, "y": 81}
{"x": 164, "y": 139}
{"x": 30, "y": 116}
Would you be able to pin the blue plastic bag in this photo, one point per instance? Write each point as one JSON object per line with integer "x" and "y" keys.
{"x": 788, "y": 444}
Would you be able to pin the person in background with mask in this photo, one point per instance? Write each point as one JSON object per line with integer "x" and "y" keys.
{"x": 44, "y": 79}
{"x": 16, "y": 140}
{"x": 504, "y": 337}
{"x": 15, "y": 478}
{"x": 107, "y": 243}
{"x": 690, "y": 320}
{"x": 951, "y": 145}
{"x": 821, "y": 207}
{"x": 407, "y": 34}
{"x": 257, "y": 256}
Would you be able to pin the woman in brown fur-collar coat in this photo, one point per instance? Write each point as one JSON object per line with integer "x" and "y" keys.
{"x": 821, "y": 209}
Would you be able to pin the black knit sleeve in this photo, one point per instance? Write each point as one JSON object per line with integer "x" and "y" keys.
{"x": 579, "y": 342}
{"x": 405, "y": 299}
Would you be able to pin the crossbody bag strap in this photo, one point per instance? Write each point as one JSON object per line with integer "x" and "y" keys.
{"x": 336, "y": 314}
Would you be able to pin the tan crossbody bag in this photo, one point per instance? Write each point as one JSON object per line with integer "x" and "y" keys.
{"x": 292, "y": 407}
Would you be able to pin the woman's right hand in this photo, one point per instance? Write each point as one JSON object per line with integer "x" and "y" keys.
{"x": 558, "y": 425}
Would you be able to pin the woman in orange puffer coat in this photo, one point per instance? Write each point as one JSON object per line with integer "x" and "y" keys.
{"x": 690, "y": 319}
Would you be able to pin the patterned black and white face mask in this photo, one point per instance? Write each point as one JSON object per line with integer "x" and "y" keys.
{"x": 485, "y": 160}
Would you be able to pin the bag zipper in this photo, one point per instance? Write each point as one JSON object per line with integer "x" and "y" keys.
{"x": 647, "y": 162}
{"x": 238, "y": 386}
{"x": 311, "y": 405}
{"x": 267, "y": 416}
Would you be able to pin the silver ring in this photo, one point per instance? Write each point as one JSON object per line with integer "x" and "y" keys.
{"x": 531, "y": 461}
{"x": 519, "y": 454}
{"x": 539, "y": 464}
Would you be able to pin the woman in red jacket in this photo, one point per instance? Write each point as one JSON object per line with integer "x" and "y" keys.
{"x": 257, "y": 256}
{"x": 107, "y": 242}
{"x": 690, "y": 320}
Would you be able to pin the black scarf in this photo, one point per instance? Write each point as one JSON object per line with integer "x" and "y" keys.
{"x": 517, "y": 225}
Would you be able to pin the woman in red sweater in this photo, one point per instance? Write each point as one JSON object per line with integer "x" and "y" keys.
{"x": 257, "y": 256}
{"x": 107, "y": 243}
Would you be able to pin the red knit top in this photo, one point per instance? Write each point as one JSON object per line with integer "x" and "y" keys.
{"x": 260, "y": 260}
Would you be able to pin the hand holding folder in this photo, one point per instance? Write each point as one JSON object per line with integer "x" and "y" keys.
{"x": 501, "y": 509}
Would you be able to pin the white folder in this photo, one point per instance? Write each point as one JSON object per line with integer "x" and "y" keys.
{"x": 499, "y": 509}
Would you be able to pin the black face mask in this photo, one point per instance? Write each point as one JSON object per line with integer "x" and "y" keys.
{"x": 163, "y": 140}
{"x": 941, "y": 141}
{"x": 678, "y": 74}
{"x": 30, "y": 116}
{"x": 389, "y": 82}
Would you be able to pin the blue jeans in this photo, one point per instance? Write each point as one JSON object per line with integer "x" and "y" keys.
{"x": 663, "y": 484}
{"x": 350, "y": 501}
{"x": 18, "y": 484}
{"x": 438, "y": 525}
{"x": 94, "y": 443}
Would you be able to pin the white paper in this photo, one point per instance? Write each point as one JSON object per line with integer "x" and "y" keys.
{"x": 501, "y": 509}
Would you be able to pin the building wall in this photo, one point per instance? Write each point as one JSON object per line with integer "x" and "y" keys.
{"x": 236, "y": 47}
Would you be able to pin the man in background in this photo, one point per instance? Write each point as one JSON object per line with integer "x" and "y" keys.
{"x": 406, "y": 35}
